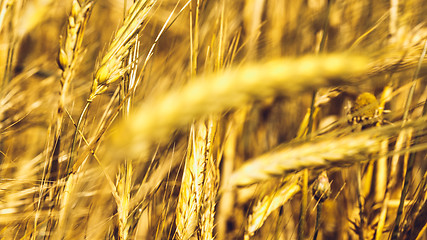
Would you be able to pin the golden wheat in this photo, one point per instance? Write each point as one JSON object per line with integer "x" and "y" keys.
{"x": 111, "y": 65}
{"x": 271, "y": 202}
{"x": 322, "y": 153}
{"x": 191, "y": 191}
{"x": 226, "y": 137}
{"x": 156, "y": 118}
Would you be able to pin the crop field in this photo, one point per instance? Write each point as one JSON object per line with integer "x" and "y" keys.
{"x": 213, "y": 119}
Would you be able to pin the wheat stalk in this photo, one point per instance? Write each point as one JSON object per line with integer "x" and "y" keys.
{"x": 68, "y": 58}
{"x": 124, "y": 184}
{"x": 230, "y": 158}
{"x": 411, "y": 158}
{"x": 113, "y": 65}
{"x": 391, "y": 183}
{"x": 68, "y": 194}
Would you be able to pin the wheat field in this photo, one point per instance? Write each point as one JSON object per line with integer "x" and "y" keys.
{"x": 203, "y": 119}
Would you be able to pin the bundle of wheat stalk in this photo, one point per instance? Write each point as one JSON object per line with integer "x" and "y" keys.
{"x": 200, "y": 119}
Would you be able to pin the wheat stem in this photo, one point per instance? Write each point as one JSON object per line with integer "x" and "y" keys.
{"x": 319, "y": 214}
{"x": 76, "y": 133}
{"x": 395, "y": 233}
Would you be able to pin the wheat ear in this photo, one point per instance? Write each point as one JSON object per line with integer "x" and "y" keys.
{"x": 271, "y": 202}
{"x": 68, "y": 58}
{"x": 210, "y": 185}
{"x": 232, "y": 89}
{"x": 113, "y": 65}
{"x": 110, "y": 68}
{"x": 190, "y": 194}
{"x": 322, "y": 153}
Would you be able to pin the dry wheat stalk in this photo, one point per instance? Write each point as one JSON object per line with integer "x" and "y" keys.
{"x": 271, "y": 202}
{"x": 385, "y": 182}
{"x": 231, "y": 89}
{"x": 390, "y": 184}
{"x": 322, "y": 153}
{"x": 230, "y": 158}
{"x": 68, "y": 59}
{"x": 113, "y": 65}
{"x": 124, "y": 185}
{"x": 67, "y": 196}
